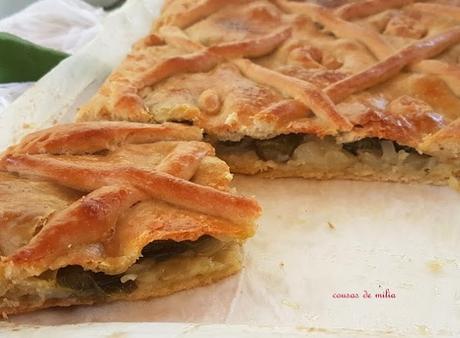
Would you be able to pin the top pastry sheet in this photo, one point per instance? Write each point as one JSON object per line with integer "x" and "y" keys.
{"x": 387, "y": 69}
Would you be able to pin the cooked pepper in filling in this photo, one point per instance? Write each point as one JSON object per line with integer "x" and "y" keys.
{"x": 100, "y": 284}
{"x": 97, "y": 283}
{"x": 373, "y": 143}
{"x": 281, "y": 148}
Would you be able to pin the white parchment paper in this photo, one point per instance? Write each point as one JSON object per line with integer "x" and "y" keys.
{"x": 64, "y": 25}
{"x": 316, "y": 239}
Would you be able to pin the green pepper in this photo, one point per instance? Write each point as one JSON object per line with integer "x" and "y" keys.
{"x": 279, "y": 148}
{"x": 92, "y": 283}
{"x": 22, "y": 60}
{"x": 365, "y": 144}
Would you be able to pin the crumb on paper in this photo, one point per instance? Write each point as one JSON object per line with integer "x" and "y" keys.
{"x": 290, "y": 304}
{"x": 454, "y": 183}
{"x": 435, "y": 266}
{"x": 312, "y": 329}
{"x": 423, "y": 330}
{"x": 281, "y": 265}
{"x": 27, "y": 125}
{"x": 331, "y": 225}
{"x": 117, "y": 335}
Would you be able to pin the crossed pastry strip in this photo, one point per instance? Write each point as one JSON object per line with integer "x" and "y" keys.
{"x": 162, "y": 176}
{"x": 391, "y": 61}
{"x": 167, "y": 182}
{"x": 117, "y": 100}
{"x": 317, "y": 100}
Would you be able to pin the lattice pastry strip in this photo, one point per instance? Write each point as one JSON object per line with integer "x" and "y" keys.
{"x": 125, "y": 211}
{"x": 367, "y": 79}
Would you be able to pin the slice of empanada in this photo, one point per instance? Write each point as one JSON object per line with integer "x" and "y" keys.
{"x": 103, "y": 211}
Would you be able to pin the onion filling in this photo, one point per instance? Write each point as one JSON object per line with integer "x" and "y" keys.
{"x": 282, "y": 148}
{"x": 309, "y": 156}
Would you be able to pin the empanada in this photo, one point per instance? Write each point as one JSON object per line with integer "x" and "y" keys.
{"x": 363, "y": 90}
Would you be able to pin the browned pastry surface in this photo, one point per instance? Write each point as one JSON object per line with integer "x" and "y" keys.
{"x": 349, "y": 69}
{"x": 94, "y": 195}
{"x": 235, "y": 69}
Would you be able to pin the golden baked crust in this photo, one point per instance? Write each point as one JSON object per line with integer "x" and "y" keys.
{"x": 264, "y": 68}
{"x": 95, "y": 194}
{"x": 258, "y": 69}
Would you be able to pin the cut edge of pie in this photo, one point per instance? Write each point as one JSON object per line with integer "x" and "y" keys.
{"x": 307, "y": 156}
{"x": 104, "y": 211}
{"x": 200, "y": 265}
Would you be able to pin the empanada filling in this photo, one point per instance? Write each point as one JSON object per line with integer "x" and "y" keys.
{"x": 164, "y": 264}
{"x": 100, "y": 284}
{"x": 282, "y": 148}
{"x": 293, "y": 153}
